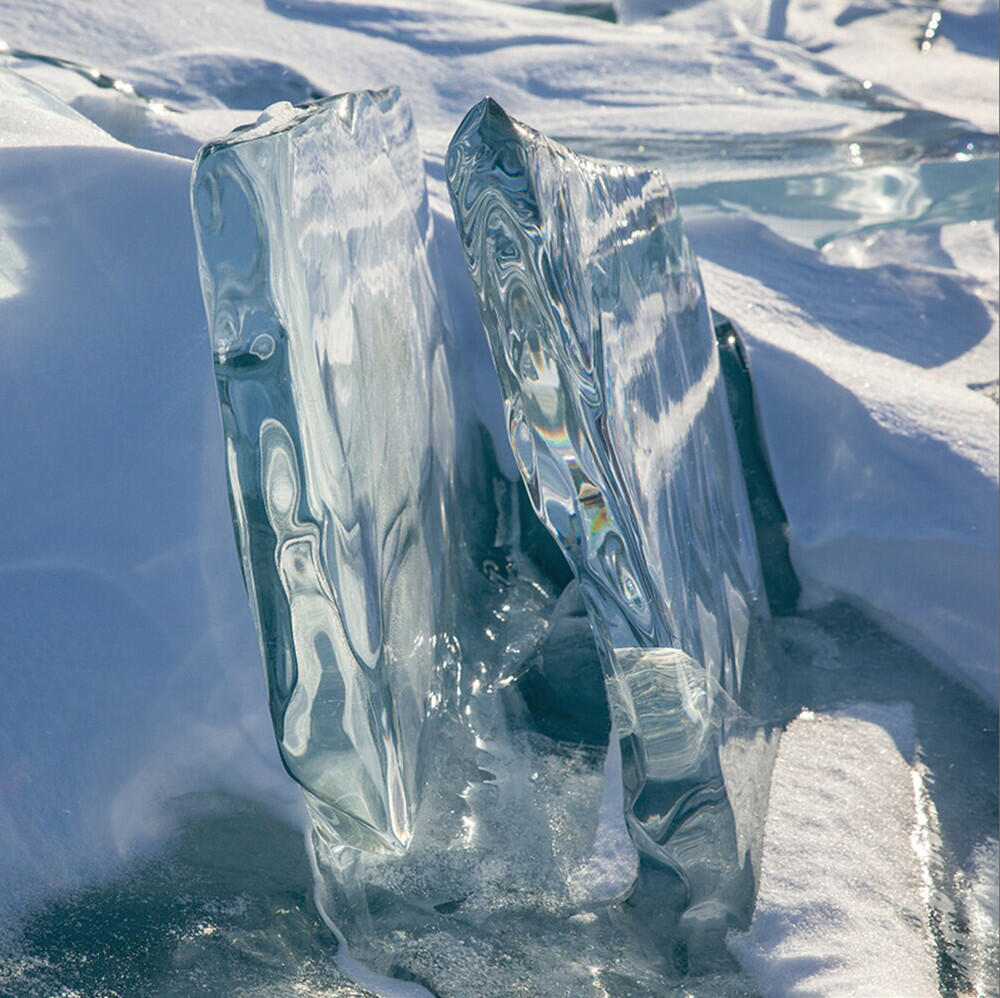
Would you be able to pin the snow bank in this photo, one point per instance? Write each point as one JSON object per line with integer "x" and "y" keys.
{"x": 129, "y": 659}
{"x": 940, "y": 59}
{"x": 886, "y": 461}
{"x": 839, "y": 911}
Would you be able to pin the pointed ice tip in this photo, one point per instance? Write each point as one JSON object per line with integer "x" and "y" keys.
{"x": 494, "y": 113}
{"x": 486, "y": 115}
{"x": 473, "y": 118}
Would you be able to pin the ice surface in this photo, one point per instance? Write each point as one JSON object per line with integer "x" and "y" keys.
{"x": 618, "y": 419}
{"x": 433, "y": 681}
{"x": 337, "y": 414}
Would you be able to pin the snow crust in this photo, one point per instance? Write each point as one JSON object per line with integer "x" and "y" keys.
{"x": 853, "y": 924}
{"x": 130, "y": 667}
{"x": 887, "y": 465}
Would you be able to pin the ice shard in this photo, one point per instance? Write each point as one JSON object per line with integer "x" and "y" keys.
{"x": 336, "y": 410}
{"x": 596, "y": 317}
{"x": 769, "y": 519}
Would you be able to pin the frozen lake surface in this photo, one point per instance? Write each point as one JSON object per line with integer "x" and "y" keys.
{"x": 838, "y": 180}
{"x": 226, "y": 908}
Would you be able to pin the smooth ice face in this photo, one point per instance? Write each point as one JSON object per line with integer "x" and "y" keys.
{"x": 596, "y": 317}
{"x": 336, "y": 408}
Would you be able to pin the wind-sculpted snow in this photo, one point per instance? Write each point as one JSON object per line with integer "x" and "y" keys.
{"x": 593, "y": 305}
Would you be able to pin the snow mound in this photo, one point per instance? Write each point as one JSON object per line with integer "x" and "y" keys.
{"x": 839, "y": 911}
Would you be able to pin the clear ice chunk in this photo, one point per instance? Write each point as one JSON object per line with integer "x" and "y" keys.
{"x": 617, "y": 414}
{"x": 336, "y": 410}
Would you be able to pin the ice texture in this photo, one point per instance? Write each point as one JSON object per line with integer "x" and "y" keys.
{"x": 433, "y": 681}
{"x": 617, "y": 415}
{"x": 337, "y": 416}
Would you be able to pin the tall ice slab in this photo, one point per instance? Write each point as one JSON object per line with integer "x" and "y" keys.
{"x": 596, "y": 317}
{"x": 336, "y": 409}
{"x": 490, "y": 801}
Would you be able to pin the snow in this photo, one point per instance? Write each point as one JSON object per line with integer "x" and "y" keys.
{"x": 854, "y": 924}
{"x": 885, "y": 460}
{"x": 126, "y": 636}
{"x": 131, "y": 670}
{"x": 876, "y": 43}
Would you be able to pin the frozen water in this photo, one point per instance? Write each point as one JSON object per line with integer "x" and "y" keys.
{"x": 329, "y": 361}
{"x": 433, "y": 681}
{"x": 618, "y": 419}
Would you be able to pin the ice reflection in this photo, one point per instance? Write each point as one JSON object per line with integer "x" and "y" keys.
{"x": 903, "y": 137}
{"x": 665, "y": 698}
{"x": 814, "y": 209}
{"x": 101, "y": 80}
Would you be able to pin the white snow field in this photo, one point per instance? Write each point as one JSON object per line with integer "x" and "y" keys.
{"x": 836, "y": 167}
